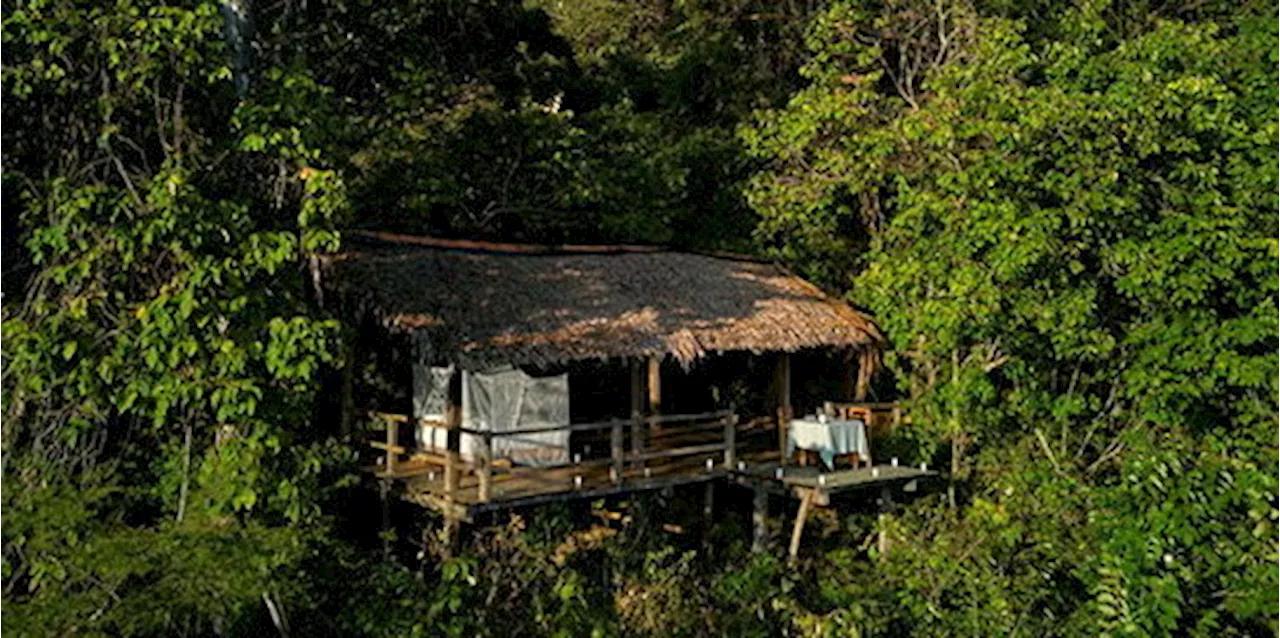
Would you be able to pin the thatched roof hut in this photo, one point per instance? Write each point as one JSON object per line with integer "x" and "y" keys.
{"x": 482, "y": 304}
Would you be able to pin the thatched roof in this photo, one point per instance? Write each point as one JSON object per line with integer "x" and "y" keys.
{"x": 481, "y": 304}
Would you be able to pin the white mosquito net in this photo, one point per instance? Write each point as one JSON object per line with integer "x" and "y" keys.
{"x": 497, "y": 401}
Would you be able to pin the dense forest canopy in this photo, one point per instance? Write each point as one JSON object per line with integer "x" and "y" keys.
{"x": 1062, "y": 215}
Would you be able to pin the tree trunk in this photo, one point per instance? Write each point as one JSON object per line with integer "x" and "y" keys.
{"x": 186, "y": 473}
{"x": 956, "y": 449}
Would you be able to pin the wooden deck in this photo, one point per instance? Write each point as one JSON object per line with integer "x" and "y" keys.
{"x": 669, "y": 451}
{"x": 815, "y": 487}
{"x": 759, "y": 470}
{"x": 512, "y": 490}
{"x": 796, "y": 481}
{"x": 642, "y": 454}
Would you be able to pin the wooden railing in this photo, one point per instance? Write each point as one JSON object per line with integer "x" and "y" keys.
{"x": 653, "y": 438}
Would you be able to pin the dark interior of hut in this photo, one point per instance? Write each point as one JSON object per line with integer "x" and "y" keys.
{"x": 601, "y": 390}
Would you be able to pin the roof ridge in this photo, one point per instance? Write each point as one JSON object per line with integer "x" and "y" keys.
{"x": 473, "y": 245}
{"x": 502, "y": 247}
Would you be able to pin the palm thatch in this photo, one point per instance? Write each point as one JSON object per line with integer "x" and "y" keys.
{"x": 481, "y": 305}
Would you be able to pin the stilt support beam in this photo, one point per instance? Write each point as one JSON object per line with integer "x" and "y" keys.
{"x": 759, "y": 519}
{"x": 453, "y": 438}
{"x": 806, "y": 503}
{"x": 885, "y": 504}
{"x": 452, "y": 525}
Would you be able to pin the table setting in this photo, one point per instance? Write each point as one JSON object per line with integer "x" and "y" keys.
{"x": 830, "y": 438}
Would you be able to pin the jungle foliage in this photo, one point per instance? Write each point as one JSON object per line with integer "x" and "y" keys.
{"x": 1061, "y": 214}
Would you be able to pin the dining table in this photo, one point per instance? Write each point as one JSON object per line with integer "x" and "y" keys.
{"x": 830, "y": 438}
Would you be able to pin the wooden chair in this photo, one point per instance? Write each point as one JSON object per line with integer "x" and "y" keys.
{"x": 880, "y": 419}
{"x": 848, "y": 411}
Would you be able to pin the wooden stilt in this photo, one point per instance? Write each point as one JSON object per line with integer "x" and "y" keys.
{"x": 453, "y": 438}
{"x": 616, "y": 452}
{"x": 637, "y": 409}
{"x": 393, "y": 441}
{"x": 484, "y": 466}
{"x": 730, "y": 441}
{"x": 759, "y": 517}
{"x": 654, "y": 406}
{"x": 806, "y": 502}
{"x": 384, "y": 492}
{"x": 885, "y": 504}
{"x": 424, "y": 551}
{"x": 451, "y": 533}
{"x": 708, "y": 512}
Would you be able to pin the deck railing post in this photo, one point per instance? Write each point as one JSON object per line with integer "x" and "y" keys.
{"x": 730, "y": 441}
{"x": 616, "y": 451}
{"x": 486, "y": 465}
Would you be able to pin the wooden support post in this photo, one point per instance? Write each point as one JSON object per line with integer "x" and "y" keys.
{"x": 655, "y": 387}
{"x": 759, "y": 518}
{"x": 653, "y": 407}
{"x": 848, "y": 376}
{"x": 616, "y": 452}
{"x": 424, "y": 553}
{"x": 637, "y": 409}
{"x": 451, "y": 531}
{"x": 709, "y": 502}
{"x": 782, "y": 386}
{"x": 453, "y": 438}
{"x": 868, "y": 358}
{"x": 384, "y": 491}
{"x": 393, "y": 439}
{"x": 802, "y": 515}
{"x": 485, "y": 465}
{"x": 885, "y": 503}
{"x": 730, "y": 441}
{"x": 453, "y": 461}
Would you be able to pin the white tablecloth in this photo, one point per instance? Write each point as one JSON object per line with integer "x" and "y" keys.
{"x": 828, "y": 439}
